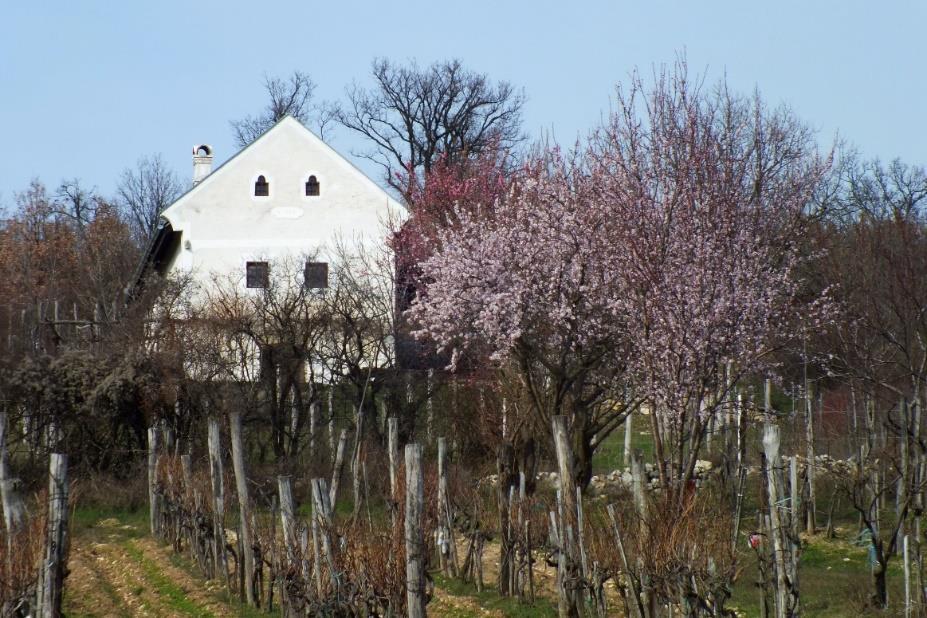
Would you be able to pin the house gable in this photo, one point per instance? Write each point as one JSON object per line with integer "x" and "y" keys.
{"x": 223, "y": 224}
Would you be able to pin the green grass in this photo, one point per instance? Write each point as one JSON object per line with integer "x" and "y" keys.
{"x": 133, "y": 525}
{"x": 609, "y": 455}
{"x": 171, "y": 593}
{"x": 834, "y": 581}
{"x": 489, "y": 600}
{"x": 834, "y": 576}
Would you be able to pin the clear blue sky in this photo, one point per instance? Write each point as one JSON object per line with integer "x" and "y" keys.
{"x": 88, "y": 87}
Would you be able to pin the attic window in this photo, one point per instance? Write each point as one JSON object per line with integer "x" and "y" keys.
{"x": 256, "y": 274}
{"x": 312, "y": 186}
{"x": 261, "y": 187}
{"x": 316, "y": 275}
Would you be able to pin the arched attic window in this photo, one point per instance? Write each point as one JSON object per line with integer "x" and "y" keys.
{"x": 261, "y": 187}
{"x": 312, "y": 186}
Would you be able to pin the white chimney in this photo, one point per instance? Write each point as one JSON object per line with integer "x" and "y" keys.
{"x": 202, "y": 162}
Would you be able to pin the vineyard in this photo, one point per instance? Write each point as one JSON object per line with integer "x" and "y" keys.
{"x": 677, "y": 370}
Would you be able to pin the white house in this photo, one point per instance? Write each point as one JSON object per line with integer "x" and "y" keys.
{"x": 286, "y": 195}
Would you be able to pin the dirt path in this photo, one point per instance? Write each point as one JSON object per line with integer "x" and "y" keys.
{"x": 115, "y": 570}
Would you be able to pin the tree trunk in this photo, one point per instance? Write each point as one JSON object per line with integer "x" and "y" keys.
{"x": 505, "y": 469}
{"x": 880, "y": 589}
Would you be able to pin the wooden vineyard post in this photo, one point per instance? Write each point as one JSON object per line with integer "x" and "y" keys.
{"x": 244, "y": 509}
{"x": 56, "y": 543}
{"x": 154, "y": 511}
{"x": 4, "y": 455}
{"x": 415, "y": 534}
{"x": 785, "y": 551}
{"x": 338, "y": 468}
{"x": 626, "y": 459}
{"x": 14, "y": 511}
{"x": 811, "y": 523}
{"x": 218, "y": 498}
{"x": 907, "y": 577}
{"x": 392, "y": 431}
{"x": 287, "y": 517}
{"x": 448, "y": 553}
{"x": 321, "y": 525}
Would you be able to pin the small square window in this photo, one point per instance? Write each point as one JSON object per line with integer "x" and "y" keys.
{"x": 256, "y": 274}
{"x": 316, "y": 275}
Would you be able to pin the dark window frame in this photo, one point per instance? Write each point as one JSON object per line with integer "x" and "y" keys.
{"x": 261, "y": 187}
{"x": 315, "y": 275}
{"x": 313, "y": 186}
{"x": 255, "y": 278}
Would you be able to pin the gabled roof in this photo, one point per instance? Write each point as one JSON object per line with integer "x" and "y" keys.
{"x": 284, "y": 124}
{"x": 164, "y": 242}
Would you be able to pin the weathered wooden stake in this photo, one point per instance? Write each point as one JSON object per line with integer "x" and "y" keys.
{"x": 811, "y": 523}
{"x": 415, "y": 533}
{"x": 907, "y": 578}
{"x": 154, "y": 508}
{"x": 14, "y": 511}
{"x": 287, "y": 515}
{"x": 338, "y": 468}
{"x": 627, "y": 440}
{"x": 785, "y": 553}
{"x": 445, "y": 519}
{"x": 244, "y": 505}
{"x": 392, "y": 430}
{"x": 218, "y": 497}
{"x": 56, "y": 544}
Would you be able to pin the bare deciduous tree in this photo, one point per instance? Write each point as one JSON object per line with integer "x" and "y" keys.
{"x": 144, "y": 192}
{"x": 287, "y": 97}
{"x": 76, "y": 203}
{"x": 413, "y": 116}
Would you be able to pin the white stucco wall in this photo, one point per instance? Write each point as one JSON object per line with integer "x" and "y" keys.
{"x": 224, "y": 225}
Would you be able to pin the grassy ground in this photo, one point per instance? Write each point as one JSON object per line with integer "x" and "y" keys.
{"x": 116, "y": 569}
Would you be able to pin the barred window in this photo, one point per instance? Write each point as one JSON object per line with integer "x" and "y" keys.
{"x": 256, "y": 274}
{"x": 316, "y": 274}
{"x": 261, "y": 187}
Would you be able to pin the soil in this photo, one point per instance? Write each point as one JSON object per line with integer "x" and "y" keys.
{"x": 117, "y": 571}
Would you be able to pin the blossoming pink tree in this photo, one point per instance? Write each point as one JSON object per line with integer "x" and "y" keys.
{"x": 711, "y": 191}
{"x": 638, "y": 268}
{"x": 529, "y": 284}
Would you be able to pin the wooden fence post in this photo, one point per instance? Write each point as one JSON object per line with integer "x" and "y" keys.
{"x": 218, "y": 497}
{"x": 56, "y": 544}
{"x": 14, "y": 511}
{"x": 445, "y": 518}
{"x": 392, "y": 424}
{"x": 244, "y": 508}
{"x": 785, "y": 551}
{"x": 626, "y": 459}
{"x": 338, "y": 468}
{"x": 811, "y": 506}
{"x": 415, "y": 534}
{"x": 154, "y": 506}
{"x": 287, "y": 514}
{"x": 4, "y": 455}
